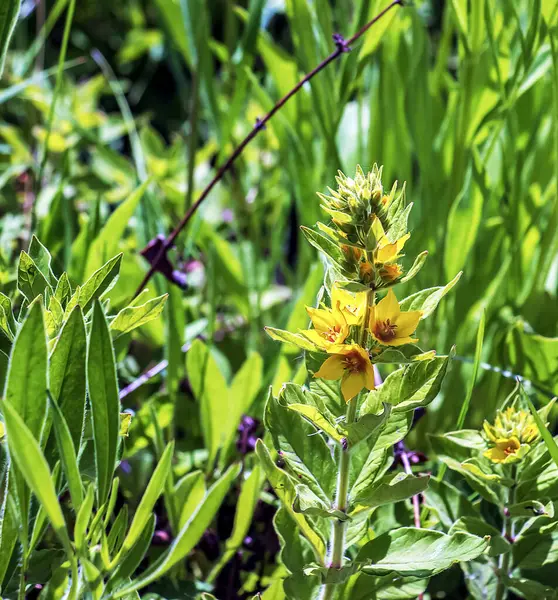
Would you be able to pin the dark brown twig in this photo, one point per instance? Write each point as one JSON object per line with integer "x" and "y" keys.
{"x": 342, "y": 46}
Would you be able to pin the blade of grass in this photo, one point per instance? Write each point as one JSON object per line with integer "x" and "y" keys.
{"x": 57, "y": 88}
{"x": 472, "y": 380}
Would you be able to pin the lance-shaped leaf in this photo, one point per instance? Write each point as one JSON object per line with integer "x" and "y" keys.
{"x": 30, "y": 281}
{"x": 131, "y": 317}
{"x": 530, "y": 589}
{"x": 295, "y": 339}
{"x": 187, "y": 537}
{"x": 427, "y": 300}
{"x": 322, "y": 243}
{"x": 106, "y": 243}
{"x": 314, "y": 416}
{"x": 388, "y": 587}
{"x": 98, "y": 284}
{"x": 105, "y": 404}
{"x": 415, "y": 552}
{"x": 390, "y": 488}
{"x": 42, "y": 259}
{"x": 417, "y": 266}
{"x": 26, "y": 453}
{"x": 477, "y": 526}
{"x": 67, "y": 453}
{"x": 67, "y": 373}
{"x": 284, "y": 486}
{"x": 411, "y": 386}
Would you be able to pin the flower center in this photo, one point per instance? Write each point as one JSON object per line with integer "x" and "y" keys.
{"x": 354, "y": 362}
{"x": 331, "y": 333}
{"x": 385, "y": 330}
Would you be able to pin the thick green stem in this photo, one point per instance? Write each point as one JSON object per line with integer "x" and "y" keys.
{"x": 335, "y": 560}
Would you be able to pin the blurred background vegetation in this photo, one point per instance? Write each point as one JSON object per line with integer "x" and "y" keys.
{"x": 459, "y": 99}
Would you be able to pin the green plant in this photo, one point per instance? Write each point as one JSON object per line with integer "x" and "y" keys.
{"x": 333, "y": 440}
{"x": 512, "y": 476}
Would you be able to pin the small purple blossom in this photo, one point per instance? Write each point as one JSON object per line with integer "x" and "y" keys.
{"x": 247, "y": 434}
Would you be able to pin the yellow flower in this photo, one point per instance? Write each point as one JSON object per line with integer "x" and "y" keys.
{"x": 506, "y": 450}
{"x": 330, "y": 327}
{"x": 352, "y": 365}
{"x": 352, "y": 306}
{"x": 391, "y": 327}
{"x": 385, "y": 250}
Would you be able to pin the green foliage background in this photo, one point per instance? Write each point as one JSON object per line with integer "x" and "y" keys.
{"x": 458, "y": 99}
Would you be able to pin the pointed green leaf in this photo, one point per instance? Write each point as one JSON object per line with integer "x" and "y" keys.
{"x": 67, "y": 373}
{"x": 107, "y": 242}
{"x": 103, "y": 397}
{"x": 30, "y": 281}
{"x": 26, "y": 453}
{"x": 427, "y": 300}
{"x": 418, "y": 552}
{"x": 131, "y": 317}
{"x": 98, "y": 284}
{"x": 391, "y": 488}
{"x": 188, "y": 536}
{"x": 67, "y": 453}
{"x": 9, "y": 10}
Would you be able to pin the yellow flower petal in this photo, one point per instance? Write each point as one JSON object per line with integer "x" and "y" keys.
{"x": 352, "y": 307}
{"x": 352, "y": 384}
{"x": 387, "y": 308}
{"x": 407, "y": 322}
{"x": 332, "y": 368}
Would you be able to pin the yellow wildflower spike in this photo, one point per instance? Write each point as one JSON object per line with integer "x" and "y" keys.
{"x": 389, "y": 325}
{"x": 352, "y": 306}
{"x": 352, "y": 365}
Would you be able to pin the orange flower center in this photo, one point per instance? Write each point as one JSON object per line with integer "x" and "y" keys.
{"x": 511, "y": 448}
{"x": 385, "y": 330}
{"x": 354, "y": 362}
{"x": 331, "y": 333}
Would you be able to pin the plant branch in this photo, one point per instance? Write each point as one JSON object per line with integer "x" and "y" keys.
{"x": 342, "y": 46}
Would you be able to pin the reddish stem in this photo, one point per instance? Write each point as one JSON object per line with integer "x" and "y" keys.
{"x": 341, "y": 47}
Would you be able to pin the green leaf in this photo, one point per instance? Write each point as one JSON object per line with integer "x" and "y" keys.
{"x": 387, "y": 587}
{"x": 412, "y": 386}
{"x": 83, "y": 518}
{"x": 322, "y": 243}
{"x": 479, "y": 527}
{"x": 26, "y": 384}
{"x": 389, "y": 489}
{"x": 545, "y": 434}
{"x": 188, "y": 536}
{"x": 103, "y": 397}
{"x": 247, "y": 500}
{"x": 131, "y": 317}
{"x": 427, "y": 300}
{"x": 107, "y": 242}
{"x": 30, "y": 281}
{"x": 26, "y": 453}
{"x": 211, "y": 391}
{"x": 529, "y": 509}
{"x": 67, "y": 373}
{"x": 448, "y": 503}
{"x": 530, "y": 589}
{"x": 42, "y": 259}
{"x": 307, "y": 503}
{"x": 372, "y": 41}
{"x": 188, "y": 493}
{"x": 367, "y": 425}
{"x": 305, "y": 453}
{"x": 418, "y": 552}
{"x": 314, "y": 416}
{"x": 9, "y": 10}
{"x": 535, "y": 550}
{"x": 147, "y": 503}
{"x": 295, "y": 339}
{"x": 98, "y": 284}
{"x": 284, "y": 487}
{"x": 135, "y": 555}
{"x": 67, "y": 453}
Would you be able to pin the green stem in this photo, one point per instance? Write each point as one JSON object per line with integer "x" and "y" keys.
{"x": 341, "y": 500}
{"x": 507, "y": 531}
{"x": 23, "y": 577}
